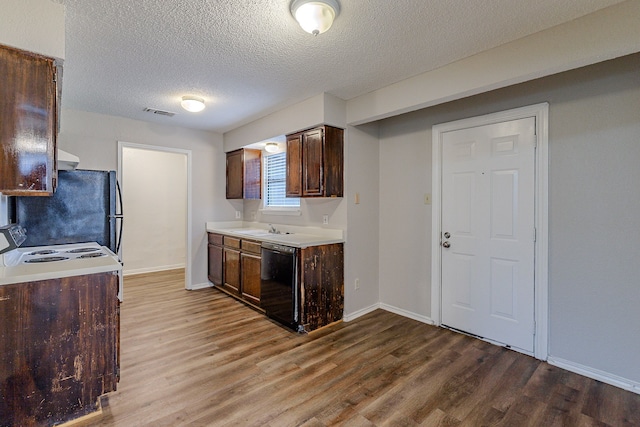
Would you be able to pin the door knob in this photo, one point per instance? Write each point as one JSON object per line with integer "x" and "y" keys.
{"x": 446, "y": 244}
{"x": 447, "y": 234}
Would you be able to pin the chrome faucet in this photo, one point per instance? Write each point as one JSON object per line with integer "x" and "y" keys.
{"x": 273, "y": 230}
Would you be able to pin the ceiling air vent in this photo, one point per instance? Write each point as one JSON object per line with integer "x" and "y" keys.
{"x": 159, "y": 112}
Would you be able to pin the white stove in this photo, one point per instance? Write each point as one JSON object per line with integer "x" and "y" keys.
{"x": 45, "y": 262}
{"x": 55, "y": 253}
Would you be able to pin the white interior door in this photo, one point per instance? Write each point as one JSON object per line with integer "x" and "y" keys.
{"x": 488, "y": 231}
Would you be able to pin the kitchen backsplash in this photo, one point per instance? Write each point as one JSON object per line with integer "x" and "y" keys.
{"x": 311, "y": 214}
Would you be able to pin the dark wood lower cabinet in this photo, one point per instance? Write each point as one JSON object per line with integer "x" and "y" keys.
{"x": 321, "y": 285}
{"x": 216, "y": 259}
{"x": 321, "y": 277}
{"x": 59, "y": 341}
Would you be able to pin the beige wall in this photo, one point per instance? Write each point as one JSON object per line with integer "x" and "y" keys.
{"x": 94, "y": 138}
{"x": 594, "y": 226}
{"x": 362, "y": 177}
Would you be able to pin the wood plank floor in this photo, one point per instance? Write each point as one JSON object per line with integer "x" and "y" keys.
{"x": 200, "y": 358}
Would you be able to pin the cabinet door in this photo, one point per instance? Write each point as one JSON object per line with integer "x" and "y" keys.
{"x": 235, "y": 175}
{"x": 333, "y": 157}
{"x": 28, "y": 118}
{"x": 251, "y": 278}
{"x": 312, "y": 163}
{"x": 59, "y": 347}
{"x": 252, "y": 188}
{"x": 215, "y": 264}
{"x": 232, "y": 270}
{"x": 294, "y": 166}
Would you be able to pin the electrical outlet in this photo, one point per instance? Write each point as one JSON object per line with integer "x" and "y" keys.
{"x": 238, "y": 214}
{"x": 325, "y": 219}
{"x": 356, "y": 284}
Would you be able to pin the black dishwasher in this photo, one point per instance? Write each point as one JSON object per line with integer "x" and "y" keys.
{"x": 279, "y": 284}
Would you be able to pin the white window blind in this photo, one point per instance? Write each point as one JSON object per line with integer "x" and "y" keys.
{"x": 275, "y": 183}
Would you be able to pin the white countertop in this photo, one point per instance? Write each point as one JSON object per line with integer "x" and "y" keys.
{"x": 298, "y": 237}
{"x": 52, "y": 270}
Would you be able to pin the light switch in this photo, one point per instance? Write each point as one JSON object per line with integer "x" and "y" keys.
{"x": 356, "y": 199}
{"x": 427, "y": 199}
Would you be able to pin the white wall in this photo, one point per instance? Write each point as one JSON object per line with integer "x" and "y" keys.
{"x": 154, "y": 194}
{"x": 320, "y": 109}
{"x": 33, "y": 25}
{"x": 594, "y": 226}
{"x": 93, "y": 137}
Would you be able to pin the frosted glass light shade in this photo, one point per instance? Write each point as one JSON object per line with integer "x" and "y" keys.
{"x": 192, "y": 104}
{"x": 315, "y": 17}
{"x": 271, "y": 147}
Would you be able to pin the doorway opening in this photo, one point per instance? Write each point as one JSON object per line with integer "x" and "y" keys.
{"x": 539, "y": 234}
{"x": 156, "y": 193}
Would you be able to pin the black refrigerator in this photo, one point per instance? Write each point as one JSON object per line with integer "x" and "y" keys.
{"x": 86, "y": 207}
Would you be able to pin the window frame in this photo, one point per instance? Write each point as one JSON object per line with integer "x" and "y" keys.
{"x": 275, "y": 209}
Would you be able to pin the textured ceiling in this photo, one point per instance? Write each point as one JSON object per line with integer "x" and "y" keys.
{"x": 248, "y": 58}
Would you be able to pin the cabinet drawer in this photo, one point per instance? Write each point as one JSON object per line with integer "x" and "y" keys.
{"x": 215, "y": 239}
{"x": 252, "y": 247}
{"x": 231, "y": 242}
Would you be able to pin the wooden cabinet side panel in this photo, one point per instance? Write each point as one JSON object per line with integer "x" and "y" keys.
{"x": 28, "y": 115}
{"x": 235, "y": 175}
{"x": 294, "y": 166}
{"x": 60, "y": 342}
{"x": 334, "y": 161}
{"x": 251, "y": 278}
{"x": 322, "y": 285}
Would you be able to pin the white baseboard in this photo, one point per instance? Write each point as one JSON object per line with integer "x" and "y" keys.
{"x": 353, "y": 316}
{"x": 595, "y": 374}
{"x": 126, "y": 272}
{"x": 201, "y": 286}
{"x": 409, "y": 314}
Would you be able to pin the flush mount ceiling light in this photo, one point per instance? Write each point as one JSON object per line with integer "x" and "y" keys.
{"x": 315, "y": 17}
{"x": 271, "y": 147}
{"x": 192, "y": 104}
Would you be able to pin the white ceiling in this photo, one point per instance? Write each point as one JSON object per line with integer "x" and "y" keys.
{"x": 248, "y": 58}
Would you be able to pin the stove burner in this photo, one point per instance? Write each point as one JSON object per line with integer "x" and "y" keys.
{"x": 93, "y": 255}
{"x": 82, "y": 250}
{"x": 43, "y": 252}
{"x": 47, "y": 259}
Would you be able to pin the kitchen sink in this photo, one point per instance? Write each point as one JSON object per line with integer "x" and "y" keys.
{"x": 254, "y": 233}
{"x": 258, "y": 233}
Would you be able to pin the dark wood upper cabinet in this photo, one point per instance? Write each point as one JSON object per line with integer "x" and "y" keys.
{"x": 315, "y": 162}
{"x": 28, "y": 123}
{"x": 244, "y": 174}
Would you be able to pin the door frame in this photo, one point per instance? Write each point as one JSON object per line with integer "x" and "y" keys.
{"x": 187, "y": 153}
{"x": 541, "y": 253}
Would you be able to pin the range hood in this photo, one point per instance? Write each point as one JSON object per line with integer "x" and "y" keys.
{"x": 67, "y": 161}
